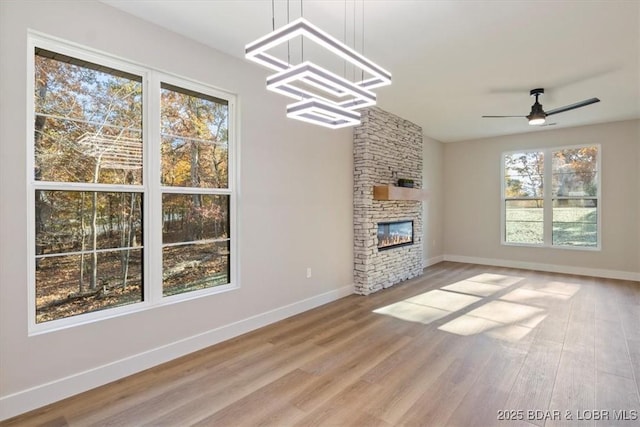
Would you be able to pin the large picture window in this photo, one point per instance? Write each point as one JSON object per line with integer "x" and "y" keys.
{"x": 551, "y": 197}
{"x": 129, "y": 208}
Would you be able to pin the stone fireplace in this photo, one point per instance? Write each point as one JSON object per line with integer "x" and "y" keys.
{"x": 385, "y": 149}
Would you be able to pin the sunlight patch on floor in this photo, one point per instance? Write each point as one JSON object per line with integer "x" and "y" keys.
{"x": 526, "y": 296}
{"x": 511, "y": 315}
{"x": 470, "y": 325}
{"x": 412, "y": 312}
{"x": 496, "y": 279}
{"x": 498, "y": 319}
{"x": 473, "y": 288}
{"x": 428, "y": 307}
{"x": 562, "y": 288}
{"x": 444, "y": 300}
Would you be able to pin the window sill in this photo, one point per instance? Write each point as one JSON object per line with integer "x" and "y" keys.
{"x": 542, "y": 246}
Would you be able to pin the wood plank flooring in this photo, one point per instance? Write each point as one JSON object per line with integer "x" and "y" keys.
{"x": 462, "y": 345}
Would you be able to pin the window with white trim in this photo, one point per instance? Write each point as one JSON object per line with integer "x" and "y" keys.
{"x": 564, "y": 213}
{"x": 195, "y": 194}
{"x": 132, "y": 175}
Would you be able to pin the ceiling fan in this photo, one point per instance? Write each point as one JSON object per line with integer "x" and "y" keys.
{"x": 537, "y": 115}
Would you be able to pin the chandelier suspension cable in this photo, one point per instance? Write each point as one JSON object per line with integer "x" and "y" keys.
{"x": 288, "y": 49}
{"x": 354, "y": 35}
{"x": 344, "y": 36}
{"x": 273, "y": 16}
{"x": 362, "y": 24}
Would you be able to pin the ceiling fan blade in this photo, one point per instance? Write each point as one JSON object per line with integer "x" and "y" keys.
{"x": 573, "y": 106}
{"x": 503, "y": 117}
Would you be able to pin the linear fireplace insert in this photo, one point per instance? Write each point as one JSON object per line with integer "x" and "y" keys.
{"x": 394, "y": 234}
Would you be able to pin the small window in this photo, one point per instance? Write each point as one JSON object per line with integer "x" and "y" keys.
{"x": 562, "y": 214}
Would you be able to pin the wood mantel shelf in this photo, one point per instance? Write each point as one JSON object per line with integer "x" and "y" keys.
{"x": 393, "y": 192}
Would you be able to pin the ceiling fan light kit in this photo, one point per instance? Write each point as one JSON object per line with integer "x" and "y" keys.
{"x": 538, "y": 116}
{"x": 311, "y": 85}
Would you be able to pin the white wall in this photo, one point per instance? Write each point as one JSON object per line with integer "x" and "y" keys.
{"x": 472, "y": 201}
{"x": 433, "y": 208}
{"x": 295, "y": 212}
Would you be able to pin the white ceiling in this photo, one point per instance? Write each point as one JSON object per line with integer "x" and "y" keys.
{"x": 453, "y": 61}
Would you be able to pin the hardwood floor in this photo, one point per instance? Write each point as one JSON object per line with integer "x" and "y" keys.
{"x": 463, "y": 345}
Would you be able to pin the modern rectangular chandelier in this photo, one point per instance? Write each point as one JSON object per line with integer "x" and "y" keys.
{"x": 324, "y": 98}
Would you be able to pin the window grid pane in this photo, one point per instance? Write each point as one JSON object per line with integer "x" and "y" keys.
{"x": 524, "y": 221}
{"x": 194, "y": 136}
{"x": 193, "y": 267}
{"x": 76, "y": 221}
{"x": 575, "y": 222}
{"x": 194, "y": 217}
{"x": 88, "y": 251}
{"x": 69, "y": 285}
{"x": 88, "y": 122}
{"x": 191, "y": 261}
{"x": 524, "y": 173}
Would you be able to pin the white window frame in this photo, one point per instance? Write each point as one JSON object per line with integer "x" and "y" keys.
{"x": 151, "y": 186}
{"x": 547, "y": 198}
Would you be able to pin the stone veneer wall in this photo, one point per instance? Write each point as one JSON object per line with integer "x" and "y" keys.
{"x": 385, "y": 148}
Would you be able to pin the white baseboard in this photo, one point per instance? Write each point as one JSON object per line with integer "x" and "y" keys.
{"x": 431, "y": 261}
{"x": 552, "y": 268}
{"x": 36, "y": 397}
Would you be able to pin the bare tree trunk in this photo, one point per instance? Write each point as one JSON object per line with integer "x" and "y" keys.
{"x": 194, "y": 164}
{"x": 216, "y": 166}
{"x": 195, "y": 226}
{"x": 127, "y": 242}
{"x": 94, "y": 243}
{"x": 94, "y": 229}
{"x": 82, "y": 244}
{"x": 111, "y": 233}
{"x": 123, "y": 243}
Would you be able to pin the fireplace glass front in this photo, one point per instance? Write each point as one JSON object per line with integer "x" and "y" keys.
{"x": 394, "y": 234}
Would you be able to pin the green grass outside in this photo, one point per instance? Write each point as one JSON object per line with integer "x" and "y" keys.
{"x": 572, "y": 226}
